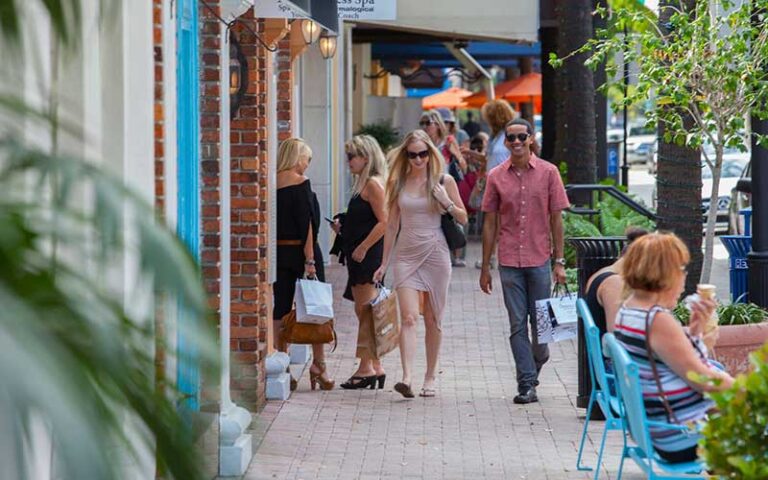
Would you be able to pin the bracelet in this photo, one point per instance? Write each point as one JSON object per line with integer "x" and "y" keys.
{"x": 309, "y": 262}
{"x": 450, "y": 207}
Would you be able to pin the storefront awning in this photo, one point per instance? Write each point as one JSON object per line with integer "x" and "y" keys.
{"x": 460, "y": 19}
{"x": 324, "y": 12}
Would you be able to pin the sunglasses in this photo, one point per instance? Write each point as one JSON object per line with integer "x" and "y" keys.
{"x": 350, "y": 156}
{"x": 421, "y": 154}
{"x": 511, "y": 137}
{"x": 425, "y": 123}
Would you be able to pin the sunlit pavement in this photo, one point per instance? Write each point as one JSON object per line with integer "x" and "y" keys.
{"x": 472, "y": 429}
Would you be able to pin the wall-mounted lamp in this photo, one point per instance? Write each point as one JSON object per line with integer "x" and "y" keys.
{"x": 238, "y": 75}
{"x": 310, "y": 30}
{"x": 327, "y": 45}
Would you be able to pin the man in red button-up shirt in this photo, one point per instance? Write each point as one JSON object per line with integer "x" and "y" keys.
{"x": 527, "y": 196}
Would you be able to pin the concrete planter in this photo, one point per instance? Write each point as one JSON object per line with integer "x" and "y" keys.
{"x": 736, "y": 342}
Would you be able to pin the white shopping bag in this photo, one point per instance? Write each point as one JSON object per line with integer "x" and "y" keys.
{"x": 556, "y": 317}
{"x": 314, "y": 301}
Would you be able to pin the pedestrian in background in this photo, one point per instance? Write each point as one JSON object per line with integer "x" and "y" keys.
{"x": 496, "y": 113}
{"x": 432, "y": 123}
{"x": 527, "y": 196}
{"x": 461, "y": 136}
{"x": 362, "y": 243}
{"x": 298, "y": 253}
{"x": 471, "y": 126}
{"x": 418, "y": 193}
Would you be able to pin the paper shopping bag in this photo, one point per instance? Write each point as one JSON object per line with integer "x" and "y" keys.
{"x": 314, "y": 301}
{"x": 556, "y": 317}
{"x": 386, "y": 323}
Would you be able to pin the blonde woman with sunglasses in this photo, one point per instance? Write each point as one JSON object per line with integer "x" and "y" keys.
{"x": 362, "y": 233}
{"x": 418, "y": 193}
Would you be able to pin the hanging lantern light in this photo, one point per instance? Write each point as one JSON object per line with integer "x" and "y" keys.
{"x": 327, "y": 45}
{"x": 310, "y": 30}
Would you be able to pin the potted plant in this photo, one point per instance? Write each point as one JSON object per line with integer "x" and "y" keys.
{"x": 743, "y": 329}
{"x": 733, "y": 444}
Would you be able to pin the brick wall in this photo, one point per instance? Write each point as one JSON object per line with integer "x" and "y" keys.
{"x": 251, "y": 295}
{"x": 157, "y": 47}
{"x": 159, "y": 119}
{"x": 284, "y": 89}
{"x": 210, "y": 255}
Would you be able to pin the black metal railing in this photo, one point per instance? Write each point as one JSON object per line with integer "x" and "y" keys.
{"x": 587, "y": 191}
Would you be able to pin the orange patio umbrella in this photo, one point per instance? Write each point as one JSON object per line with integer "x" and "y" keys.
{"x": 523, "y": 89}
{"x": 527, "y": 89}
{"x": 451, "y": 98}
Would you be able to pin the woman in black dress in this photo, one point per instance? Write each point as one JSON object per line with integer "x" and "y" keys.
{"x": 298, "y": 254}
{"x": 362, "y": 243}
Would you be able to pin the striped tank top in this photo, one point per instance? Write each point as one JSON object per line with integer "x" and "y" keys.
{"x": 687, "y": 404}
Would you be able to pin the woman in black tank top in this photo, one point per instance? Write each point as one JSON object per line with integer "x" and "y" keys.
{"x": 604, "y": 291}
{"x": 362, "y": 241}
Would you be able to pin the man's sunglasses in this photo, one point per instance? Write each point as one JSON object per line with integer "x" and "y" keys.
{"x": 421, "y": 154}
{"x": 519, "y": 136}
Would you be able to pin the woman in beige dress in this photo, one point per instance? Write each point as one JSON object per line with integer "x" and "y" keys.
{"x": 418, "y": 193}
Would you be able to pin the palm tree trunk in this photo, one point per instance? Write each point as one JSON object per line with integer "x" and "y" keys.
{"x": 678, "y": 180}
{"x": 576, "y": 136}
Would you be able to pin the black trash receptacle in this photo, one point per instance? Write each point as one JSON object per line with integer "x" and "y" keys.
{"x": 592, "y": 254}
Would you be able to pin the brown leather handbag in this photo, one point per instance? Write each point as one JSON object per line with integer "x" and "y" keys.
{"x": 307, "y": 333}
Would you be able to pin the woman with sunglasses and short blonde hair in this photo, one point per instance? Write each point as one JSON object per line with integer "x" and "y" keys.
{"x": 298, "y": 254}
{"x": 418, "y": 193}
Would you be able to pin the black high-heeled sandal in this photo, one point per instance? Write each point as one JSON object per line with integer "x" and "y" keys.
{"x": 355, "y": 382}
{"x": 381, "y": 379}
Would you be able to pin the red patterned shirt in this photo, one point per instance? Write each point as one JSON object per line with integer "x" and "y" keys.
{"x": 525, "y": 201}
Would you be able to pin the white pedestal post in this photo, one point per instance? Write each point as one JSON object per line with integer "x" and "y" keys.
{"x": 235, "y": 446}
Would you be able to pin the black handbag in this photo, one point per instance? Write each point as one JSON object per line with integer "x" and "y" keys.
{"x": 454, "y": 234}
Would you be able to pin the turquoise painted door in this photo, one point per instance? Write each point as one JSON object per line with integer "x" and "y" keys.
{"x": 188, "y": 132}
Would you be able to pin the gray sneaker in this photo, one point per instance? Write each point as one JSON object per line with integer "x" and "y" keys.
{"x": 479, "y": 264}
{"x": 528, "y": 396}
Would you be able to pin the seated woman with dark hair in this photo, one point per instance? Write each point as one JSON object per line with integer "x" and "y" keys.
{"x": 604, "y": 291}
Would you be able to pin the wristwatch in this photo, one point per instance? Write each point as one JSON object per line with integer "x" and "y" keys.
{"x": 560, "y": 261}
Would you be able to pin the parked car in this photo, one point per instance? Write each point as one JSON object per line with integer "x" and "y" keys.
{"x": 731, "y": 172}
{"x": 739, "y": 201}
{"x": 640, "y": 144}
{"x": 730, "y": 153}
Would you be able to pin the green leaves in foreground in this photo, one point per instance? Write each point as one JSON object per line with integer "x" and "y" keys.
{"x": 83, "y": 258}
{"x": 735, "y": 443}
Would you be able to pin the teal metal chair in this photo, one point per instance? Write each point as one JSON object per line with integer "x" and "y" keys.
{"x": 631, "y": 395}
{"x": 601, "y": 388}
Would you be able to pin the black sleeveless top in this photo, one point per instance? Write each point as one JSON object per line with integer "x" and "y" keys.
{"x": 297, "y": 207}
{"x": 598, "y": 312}
{"x": 358, "y": 223}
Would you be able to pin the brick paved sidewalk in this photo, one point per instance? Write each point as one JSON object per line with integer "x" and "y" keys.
{"x": 472, "y": 429}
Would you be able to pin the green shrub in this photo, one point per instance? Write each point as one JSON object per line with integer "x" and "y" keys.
{"x": 613, "y": 221}
{"x": 731, "y": 314}
{"x": 383, "y": 132}
{"x": 735, "y": 438}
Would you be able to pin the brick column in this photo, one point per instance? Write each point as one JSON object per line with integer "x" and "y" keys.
{"x": 251, "y": 295}
{"x": 284, "y": 89}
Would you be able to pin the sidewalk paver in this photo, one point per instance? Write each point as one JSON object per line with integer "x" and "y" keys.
{"x": 472, "y": 429}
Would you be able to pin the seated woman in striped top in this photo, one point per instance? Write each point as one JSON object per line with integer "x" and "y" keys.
{"x": 654, "y": 268}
